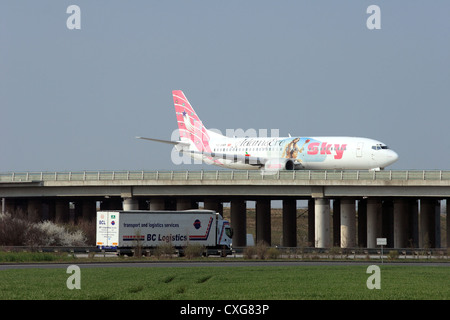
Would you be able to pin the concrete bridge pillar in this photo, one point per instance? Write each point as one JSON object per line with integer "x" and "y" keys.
{"x": 311, "y": 218}
{"x": 337, "y": 222}
{"x": 373, "y": 222}
{"x": 130, "y": 204}
{"x": 49, "y": 209}
{"x": 239, "y": 222}
{"x": 184, "y": 204}
{"x": 34, "y": 209}
{"x": 289, "y": 223}
{"x": 387, "y": 220}
{"x": 89, "y": 209}
{"x": 8, "y": 205}
{"x": 62, "y": 210}
{"x": 448, "y": 222}
{"x": 322, "y": 223}
{"x": 427, "y": 236}
{"x": 348, "y": 223}
{"x": 362, "y": 223}
{"x": 263, "y": 225}
{"x": 437, "y": 224}
{"x": 400, "y": 223}
{"x": 77, "y": 213}
{"x": 157, "y": 204}
{"x": 413, "y": 218}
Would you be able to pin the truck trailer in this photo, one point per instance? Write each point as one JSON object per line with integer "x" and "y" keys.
{"x": 124, "y": 230}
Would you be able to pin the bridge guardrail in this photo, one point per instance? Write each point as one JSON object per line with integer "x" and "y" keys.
{"x": 285, "y": 252}
{"x": 426, "y": 175}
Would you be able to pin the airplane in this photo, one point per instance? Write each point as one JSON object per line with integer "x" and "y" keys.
{"x": 270, "y": 154}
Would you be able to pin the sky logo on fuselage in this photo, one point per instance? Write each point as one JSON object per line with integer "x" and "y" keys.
{"x": 326, "y": 148}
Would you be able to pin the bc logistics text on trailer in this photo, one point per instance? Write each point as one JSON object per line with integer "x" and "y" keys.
{"x": 150, "y": 229}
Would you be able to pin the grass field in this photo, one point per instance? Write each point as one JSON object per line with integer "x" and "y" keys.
{"x": 400, "y": 282}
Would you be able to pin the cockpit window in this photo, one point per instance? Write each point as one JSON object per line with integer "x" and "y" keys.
{"x": 379, "y": 147}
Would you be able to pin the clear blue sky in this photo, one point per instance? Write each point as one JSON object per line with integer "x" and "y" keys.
{"x": 75, "y": 99}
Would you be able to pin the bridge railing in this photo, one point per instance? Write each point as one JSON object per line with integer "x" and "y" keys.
{"x": 225, "y": 175}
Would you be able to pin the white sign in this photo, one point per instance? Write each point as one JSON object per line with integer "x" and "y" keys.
{"x": 381, "y": 241}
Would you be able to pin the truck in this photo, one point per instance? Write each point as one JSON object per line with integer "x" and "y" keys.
{"x": 119, "y": 230}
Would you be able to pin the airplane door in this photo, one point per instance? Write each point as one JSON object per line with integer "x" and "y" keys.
{"x": 359, "y": 149}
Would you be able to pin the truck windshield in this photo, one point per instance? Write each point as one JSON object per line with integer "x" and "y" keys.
{"x": 229, "y": 232}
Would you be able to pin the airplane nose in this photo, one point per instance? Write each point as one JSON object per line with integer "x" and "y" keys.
{"x": 394, "y": 155}
{"x": 391, "y": 156}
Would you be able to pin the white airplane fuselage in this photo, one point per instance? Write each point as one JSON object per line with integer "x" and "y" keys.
{"x": 320, "y": 153}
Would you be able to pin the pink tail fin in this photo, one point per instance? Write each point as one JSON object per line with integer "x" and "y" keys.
{"x": 191, "y": 127}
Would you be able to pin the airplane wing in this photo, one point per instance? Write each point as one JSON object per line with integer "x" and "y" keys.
{"x": 267, "y": 164}
{"x": 175, "y": 143}
{"x": 261, "y": 162}
{"x": 256, "y": 161}
{"x": 232, "y": 157}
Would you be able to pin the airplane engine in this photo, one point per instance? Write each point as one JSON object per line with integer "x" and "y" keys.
{"x": 279, "y": 164}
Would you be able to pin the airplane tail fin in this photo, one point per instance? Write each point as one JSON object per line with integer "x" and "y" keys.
{"x": 190, "y": 126}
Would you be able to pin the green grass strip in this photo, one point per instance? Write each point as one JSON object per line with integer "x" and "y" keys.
{"x": 400, "y": 282}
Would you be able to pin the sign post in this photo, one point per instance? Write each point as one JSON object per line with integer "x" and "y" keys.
{"x": 381, "y": 242}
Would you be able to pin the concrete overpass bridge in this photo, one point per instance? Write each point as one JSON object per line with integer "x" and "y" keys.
{"x": 359, "y": 206}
